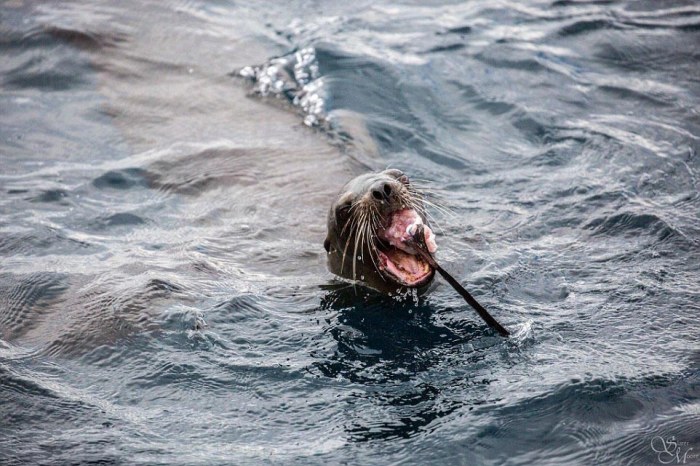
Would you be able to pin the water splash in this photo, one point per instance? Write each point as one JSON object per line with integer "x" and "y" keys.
{"x": 523, "y": 333}
{"x": 295, "y": 77}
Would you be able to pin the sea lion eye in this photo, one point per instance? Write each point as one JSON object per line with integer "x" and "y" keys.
{"x": 344, "y": 202}
{"x": 394, "y": 172}
{"x": 343, "y": 210}
{"x": 398, "y": 174}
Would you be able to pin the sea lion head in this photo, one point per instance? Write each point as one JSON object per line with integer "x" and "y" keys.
{"x": 369, "y": 225}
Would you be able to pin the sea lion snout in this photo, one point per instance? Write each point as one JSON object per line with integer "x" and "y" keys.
{"x": 386, "y": 194}
{"x": 382, "y": 190}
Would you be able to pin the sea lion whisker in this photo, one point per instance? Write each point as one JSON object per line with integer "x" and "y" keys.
{"x": 434, "y": 221}
{"x": 347, "y": 224}
{"x": 353, "y": 216}
{"x": 345, "y": 250}
{"x": 422, "y": 188}
{"x": 423, "y": 184}
{"x": 355, "y": 204}
{"x": 351, "y": 222}
{"x": 357, "y": 239}
{"x": 365, "y": 240}
{"x": 375, "y": 218}
{"x": 425, "y": 197}
{"x": 442, "y": 209}
{"x": 373, "y": 253}
{"x": 420, "y": 206}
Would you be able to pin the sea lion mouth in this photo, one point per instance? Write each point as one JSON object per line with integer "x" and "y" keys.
{"x": 397, "y": 258}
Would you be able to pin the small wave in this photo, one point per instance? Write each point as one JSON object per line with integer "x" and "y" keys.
{"x": 121, "y": 219}
{"x": 51, "y": 196}
{"x": 295, "y": 77}
{"x": 630, "y": 223}
{"x": 447, "y": 48}
{"x": 459, "y": 30}
{"x": 193, "y": 173}
{"x": 111, "y": 312}
{"x": 86, "y": 40}
{"x": 44, "y": 240}
{"x": 24, "y": 299}
{"x": 586, "y": 26}
{"x": 121, "y": 179}
{"x": 65, "y": 68}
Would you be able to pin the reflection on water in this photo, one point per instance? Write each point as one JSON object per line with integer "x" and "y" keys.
{"x": 398, "y": 350}
{"x": 163, "y": 290}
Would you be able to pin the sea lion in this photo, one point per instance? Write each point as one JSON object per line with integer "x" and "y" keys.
{"x": 370, "y": 226}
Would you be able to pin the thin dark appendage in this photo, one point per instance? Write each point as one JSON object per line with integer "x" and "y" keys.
{"x": 419, "y": 242}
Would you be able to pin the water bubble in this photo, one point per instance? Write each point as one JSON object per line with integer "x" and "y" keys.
{"x": 247, "y": 72}
{"x": 310, "y": 120}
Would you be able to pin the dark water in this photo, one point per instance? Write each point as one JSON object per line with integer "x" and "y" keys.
{"x": 163, "y": 292}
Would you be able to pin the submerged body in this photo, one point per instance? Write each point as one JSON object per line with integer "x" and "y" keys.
{"x": 370, "y": 224}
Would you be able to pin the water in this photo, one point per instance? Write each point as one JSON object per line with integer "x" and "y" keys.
{"x": 164, "y": 297}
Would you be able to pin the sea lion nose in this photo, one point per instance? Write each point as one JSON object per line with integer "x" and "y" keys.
{"x": 382, "y": 190}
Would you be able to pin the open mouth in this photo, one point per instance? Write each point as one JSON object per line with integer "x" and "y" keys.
{"x": 397, "y": 258}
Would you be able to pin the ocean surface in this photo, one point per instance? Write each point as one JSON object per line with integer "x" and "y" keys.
{"x": 165, "y": 172}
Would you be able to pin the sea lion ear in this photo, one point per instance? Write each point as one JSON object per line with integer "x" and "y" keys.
{"x": 327, "y": 245}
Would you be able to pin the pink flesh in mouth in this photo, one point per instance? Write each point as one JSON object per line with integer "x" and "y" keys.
{"x": 401, "y": 229}
{"x": 401, "y": 261}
